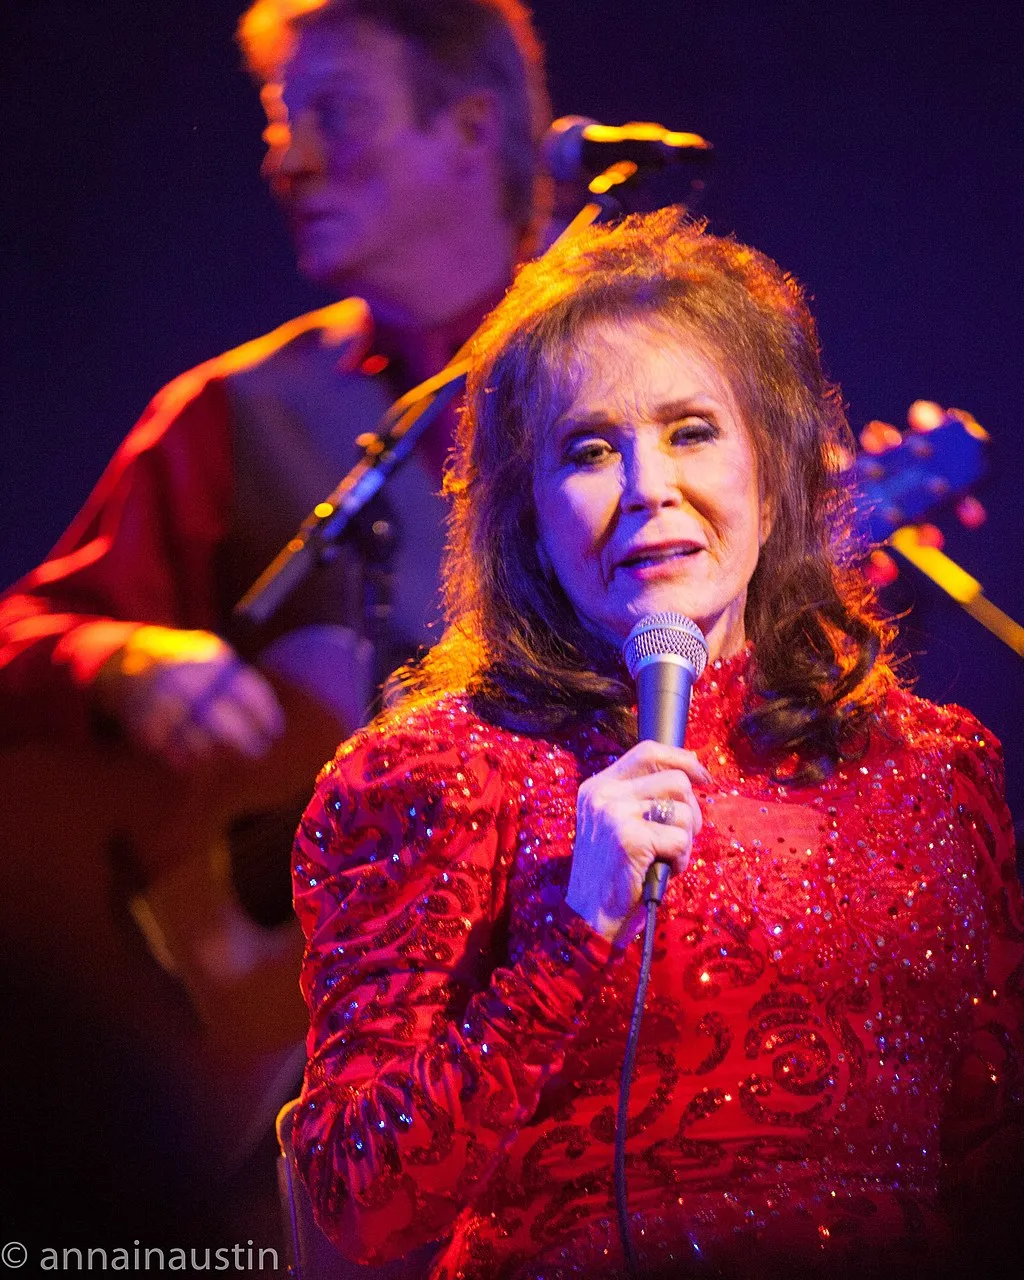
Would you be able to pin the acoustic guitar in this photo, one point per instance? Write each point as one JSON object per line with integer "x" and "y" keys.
{"x": 118, "y": 883}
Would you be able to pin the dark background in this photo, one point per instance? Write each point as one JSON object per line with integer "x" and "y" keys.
{"x": 873, "y": 149}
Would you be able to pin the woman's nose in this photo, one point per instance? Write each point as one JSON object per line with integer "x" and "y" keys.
{"x": 648, "y": 479}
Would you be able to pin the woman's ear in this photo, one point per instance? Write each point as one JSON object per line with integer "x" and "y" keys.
{"x": 767, "y": 520}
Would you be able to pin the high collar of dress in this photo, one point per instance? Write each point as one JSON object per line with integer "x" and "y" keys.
{"x": 720, "y": 695}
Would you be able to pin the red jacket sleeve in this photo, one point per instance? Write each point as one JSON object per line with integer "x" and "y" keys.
{"x": 425, "y": 1056}
{"x": 984, "y": 1118}
{"x": 140, "y": 550}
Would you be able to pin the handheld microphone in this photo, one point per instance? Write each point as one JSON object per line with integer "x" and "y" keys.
{"x": 576, "y": 147}
{"x": 665, "y": 654}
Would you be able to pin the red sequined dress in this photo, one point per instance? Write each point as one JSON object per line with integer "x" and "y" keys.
{"x": 832, "y": 1027}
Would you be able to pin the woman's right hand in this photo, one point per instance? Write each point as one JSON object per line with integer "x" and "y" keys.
{"x": 616, "y": 840}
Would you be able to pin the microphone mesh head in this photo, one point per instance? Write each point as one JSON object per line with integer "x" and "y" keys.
{"x": 666, "y": 633}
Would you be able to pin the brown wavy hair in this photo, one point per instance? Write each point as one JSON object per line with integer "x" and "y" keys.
{"x": 821, "y": 648}
{"x": 456, "y": 46}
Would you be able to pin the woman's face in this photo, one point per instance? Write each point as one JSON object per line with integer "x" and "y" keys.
{"x": 646, "y": 488}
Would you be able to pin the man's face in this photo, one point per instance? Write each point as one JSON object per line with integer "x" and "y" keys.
{"x": 366, "y": 189}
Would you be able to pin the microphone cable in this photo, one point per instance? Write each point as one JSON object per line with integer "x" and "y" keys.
{"x": 654, "y": 887}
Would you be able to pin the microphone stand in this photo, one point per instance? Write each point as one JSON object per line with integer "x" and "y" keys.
{"x": 397, "y": 435}
{"x": 330, "y": 520}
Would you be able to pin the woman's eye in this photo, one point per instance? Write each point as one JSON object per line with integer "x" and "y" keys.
{"x": 586, "y": 453}
{"x": 694, "y": 431}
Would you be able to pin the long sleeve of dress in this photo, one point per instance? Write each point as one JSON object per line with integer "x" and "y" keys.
{"x": 983, "y": 1130}
{"x": 140, "y": 550}
{"x": 425, "y": 1055}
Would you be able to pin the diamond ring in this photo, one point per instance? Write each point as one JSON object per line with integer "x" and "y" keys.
{"x": 663, "y": 811}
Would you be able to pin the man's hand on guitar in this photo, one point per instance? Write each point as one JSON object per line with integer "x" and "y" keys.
{"x": 186, "y": 695}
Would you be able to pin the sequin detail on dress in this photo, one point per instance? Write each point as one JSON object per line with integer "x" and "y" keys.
{"x": 834, "y": 1009}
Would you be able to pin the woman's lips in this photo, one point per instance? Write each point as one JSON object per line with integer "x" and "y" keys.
{"x": 653, "y": 558}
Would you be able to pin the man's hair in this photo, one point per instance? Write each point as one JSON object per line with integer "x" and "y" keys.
{"x": 456, "y": 46}
{"x": 821, "y": 649}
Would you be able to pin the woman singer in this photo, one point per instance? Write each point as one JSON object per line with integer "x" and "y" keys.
{"x": 829, "y": 1060}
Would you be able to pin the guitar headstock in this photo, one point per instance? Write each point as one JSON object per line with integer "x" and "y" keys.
{"x": 902, "y": 478}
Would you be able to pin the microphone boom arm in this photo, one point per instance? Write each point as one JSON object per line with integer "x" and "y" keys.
{"x": 325, "y": 526}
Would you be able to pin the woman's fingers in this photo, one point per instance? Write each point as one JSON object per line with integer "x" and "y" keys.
{"x": 634, "y": 796}
{"x": 650, "y": 758}
{"x": 628, "y": 816}
{"x": 646, "y": 841}
{"x": 673, "y": 813}
{"x": 662, "y": 795}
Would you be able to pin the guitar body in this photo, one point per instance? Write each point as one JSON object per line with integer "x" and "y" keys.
{"x": 117, "y": 895}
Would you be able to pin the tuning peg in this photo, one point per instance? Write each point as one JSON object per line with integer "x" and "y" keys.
{"x": 930, "y": 535}
{"x": 971, "y": 424}
{"x": 925, "y": 415}
{"x": 879, "y": 437}
{"x": 970, "y": 512}
{"x": 881, "y": 569}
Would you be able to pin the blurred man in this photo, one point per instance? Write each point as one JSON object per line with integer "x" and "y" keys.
{"x": 162, "y": 753}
